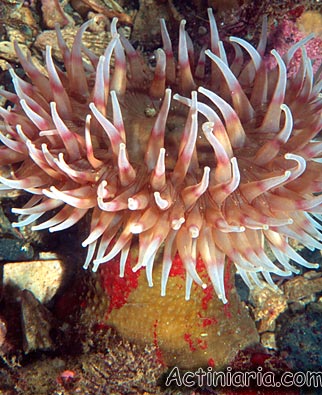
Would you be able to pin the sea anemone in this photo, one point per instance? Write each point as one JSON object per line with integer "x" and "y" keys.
{"x": 226, "y": 167}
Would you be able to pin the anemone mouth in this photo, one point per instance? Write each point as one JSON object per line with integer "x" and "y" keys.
{"x": 214, "y": 171}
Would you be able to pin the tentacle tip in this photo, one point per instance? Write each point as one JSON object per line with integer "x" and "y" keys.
{"x": 132, "y": 204}
{"x": 95, "y": 267}
{"x": 12, "y": 72}
{"x": 223, "y": 299}
{"x": 287, "y": 174}
{"x": 208, "y": 127}
{"x": 315, "y": 266}
{"x": 194, "y": 232}
{"x": 53, "y": 105}
{"x": 210, "y": 11}
{"x": 136, "y": 228}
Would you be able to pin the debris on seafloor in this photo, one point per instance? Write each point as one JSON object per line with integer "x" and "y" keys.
{"x": 299, "y": 337}
{"x": 37, "y": 323}
{"x": 275, "y": 311}
{"x": 41, "y": 277}
{"x": 53, "y": 14}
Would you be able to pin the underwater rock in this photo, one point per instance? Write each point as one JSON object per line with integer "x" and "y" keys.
{"x": 199, "y": 332}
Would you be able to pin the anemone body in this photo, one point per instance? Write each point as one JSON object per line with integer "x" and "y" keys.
{"x": 201, "y": 157}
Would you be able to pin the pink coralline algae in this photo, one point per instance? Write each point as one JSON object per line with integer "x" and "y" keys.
{"x": 285, "y": 35}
